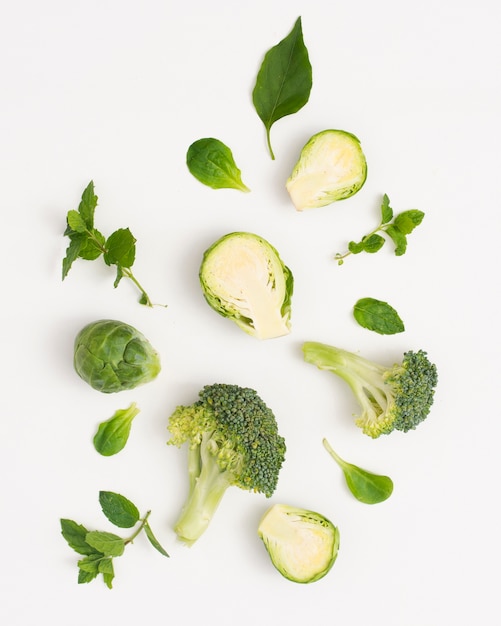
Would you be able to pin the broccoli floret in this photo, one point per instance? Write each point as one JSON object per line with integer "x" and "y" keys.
{"x": 233, "y": 440}
{"x": 397, "y": 397}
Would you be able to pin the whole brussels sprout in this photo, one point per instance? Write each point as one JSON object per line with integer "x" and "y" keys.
{"x": 112, "y": 356}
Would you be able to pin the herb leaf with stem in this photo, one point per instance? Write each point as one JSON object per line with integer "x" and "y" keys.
{"x": 395, "y": 227}
{"x": 367, "y": 487}
{"x": 86, "y": 242}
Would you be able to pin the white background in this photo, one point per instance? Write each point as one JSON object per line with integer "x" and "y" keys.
{"x": 115, "y": 91}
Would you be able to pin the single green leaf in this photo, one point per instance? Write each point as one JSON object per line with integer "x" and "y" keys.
{"x": 407, "y": 221}
{"x": 76, "y": 222}
{"x": 386, "y": 210}
{"x": 212, "y": 163}
{"x": 378, "y": 316}
{"x": 367, "y": 487}
{"x": 75, "y": 535}
{"x": 113, "y": 434}
{"x": 356, "y": 247}
{"x": 72, "y": 253}
{"x": 153, "y": 540}
{"x": 88, "y": 205}
{"x": 86, "y": 577}
{"x": 107, "y": 543}
{"x": 106, "y": 568}
{"x": 118, "y": 509}
{"x": 92, "y": 245}
{"x": 398, "y": 238}
{"x": 90, "y": 564}
{"x": 120, "y": 248}
{"x": 372, "y": 243}
{"x": 284, "y": 80}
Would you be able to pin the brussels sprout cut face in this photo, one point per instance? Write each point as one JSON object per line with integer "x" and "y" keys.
{"x": 303, "y": 545}
{"x": 331, "y": 167}
{"x": 244, "y": 279}
{"x": 112, "y": 356}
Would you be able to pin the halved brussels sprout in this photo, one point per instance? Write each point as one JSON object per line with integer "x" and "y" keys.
{"x": 113, "y": 356}
{"x": 303, "y": 545}
{"x": 244, "y": 279}
{"x": 331, "y": 167}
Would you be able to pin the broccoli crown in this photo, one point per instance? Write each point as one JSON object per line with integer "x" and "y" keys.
{"x": 235, "y": 427}
{"x": 391, "y": 398}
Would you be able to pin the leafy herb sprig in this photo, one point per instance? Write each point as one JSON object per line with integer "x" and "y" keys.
{"x": 86, "y": 242}
{"x": 99, "y": 548}
{"x": 395, "y": 227}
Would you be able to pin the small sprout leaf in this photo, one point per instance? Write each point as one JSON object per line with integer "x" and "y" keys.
{"x": 113, "y": 434}
{"x": 212, "y": 163}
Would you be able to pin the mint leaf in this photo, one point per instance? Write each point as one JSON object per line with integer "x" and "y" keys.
{"x": 113, "y": 434}
{"x": 72, "y": 253}
{"x": 90, "y": 564}
{"x": 86, "y": 577}
{"x": 386, "y": 210}
{"x": 153, "y": 540}
{"x": 92, "y": 245}
{"x": 407, "y": 221}
{"x": 76, "y": 222}
{"x": 284, "y": 80}
{"x": 75, "y": 535}
{"x": 120, "y": 248}
{"x": 107, "y": 543}
{"x": 398, "y": 238}
{"x": 88, "y": 205}
{"x": 118, "y": 509}
{"x": 372, "y": 243}
{"x": 377, "y": 316}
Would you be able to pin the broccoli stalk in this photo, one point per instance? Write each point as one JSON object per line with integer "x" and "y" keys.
{"x": 233, "y": 441}
{"x": 396, "y": 397}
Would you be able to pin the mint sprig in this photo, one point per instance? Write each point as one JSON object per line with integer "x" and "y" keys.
{"x": 86, "y": 242}
{"x": 99, "y": 548}
{"x": 395, "y": 227}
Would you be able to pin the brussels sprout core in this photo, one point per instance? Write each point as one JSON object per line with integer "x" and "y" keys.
{"x": 244, "y": 279}
{"x": 331, "y": 167}
{"x": 112, "y": 356}
{"x": 303, "y": 545}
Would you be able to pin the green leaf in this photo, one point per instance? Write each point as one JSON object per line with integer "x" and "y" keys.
{"x": 113, "y": 434}
{"x": 386, "y": 210}
{"x": 407, "y": 221}
{"x": 92, "y": 245}
{"x": 72, "y": 253}
{"x": 153, "y": 540}
{"x": 107, "y": 570}
{"x": 75, "y": 535}
{"x": 120, "y": 248}
{"x": 107, "y": 543}
{"x": 212, "y": 163}
{"x": 86, "y": 577}
{"x": 398, "y": 238}
{"x": 76, "y": 222}
{"x": 88, "y": 205}
{"x": 356, "y": 247}
{"x": 284, "y": 80}
{"x": 118, "y": 509}
{"x": 90, "y": 564}
{"x": 372, "y": 243}
{"x": 378, "y": 316}
{"x": 367, "y": 487}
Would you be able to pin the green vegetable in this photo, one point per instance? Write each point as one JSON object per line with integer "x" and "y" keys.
{"x": 243, "y": 278}
{"x": 113, "y": 434}
{"x": 365, "y": 486}
{"x": 284, "y": 80}
{"x": 233, "y": 440}
{"x": 396, "y": 397}
{"x": 378, "y": 316}
{"x": 303, "y": 545}
{"x": 212, "y": 163}
{"x": 99, "y": 548}
{"x": 331, "y": 167}
{"x": 397, "y": 230}
{"x": 112, "y": 356}
{"x": 86, "y": 242}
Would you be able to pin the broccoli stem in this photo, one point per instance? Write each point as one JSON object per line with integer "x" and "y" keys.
{"x": 206, "y": 492}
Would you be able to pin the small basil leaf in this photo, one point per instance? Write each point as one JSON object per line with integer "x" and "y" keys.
{"x": 386, "y": 210}
{"x": 367, "y": 487}
{"x": 113, "y": 434}
{"x": 284, "y": 80}
{"x": 212, "y": 163}
{"x": 398, "y": 238}
{"x": 407, "y": 221}
{"x": 120, "y": 248}
{"x": 118, "y": 509}
{"x": 378, "y": 316}
{"x": 372, "y": 243}
{"x": 153, "y": 540}
{"x": 107, "y": 543}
